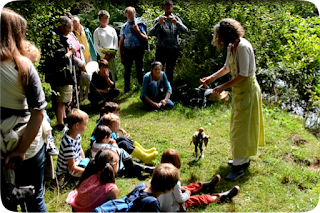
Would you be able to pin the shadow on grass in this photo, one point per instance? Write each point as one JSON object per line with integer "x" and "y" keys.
{"x": 134, "y": 110}
{"x": 223, "y": 171}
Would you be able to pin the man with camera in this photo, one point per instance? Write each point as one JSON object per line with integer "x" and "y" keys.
{"x": 167, "y": 28}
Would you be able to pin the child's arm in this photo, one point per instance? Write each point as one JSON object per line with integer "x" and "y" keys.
{"x": 113, "y": 194}
{"x": 180, "y": 196}
{"x": 82, "y": 153}
{"x": 113, "y": 143}
{"x": 125, "y": 134}
{"x": 73, "y": 167}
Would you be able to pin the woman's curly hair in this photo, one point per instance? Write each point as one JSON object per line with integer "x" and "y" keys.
{"x": 227, "y": 31}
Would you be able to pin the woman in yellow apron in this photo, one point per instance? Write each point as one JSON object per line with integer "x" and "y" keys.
{"x": 246, "y": 125}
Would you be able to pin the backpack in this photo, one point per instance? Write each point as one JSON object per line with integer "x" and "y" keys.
{"x": 145, "y": 44}
{"x": 190, "y": 96}
{"x": 125, "y": 203}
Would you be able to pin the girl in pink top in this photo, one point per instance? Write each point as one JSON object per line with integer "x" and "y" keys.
{"x": 97, "y": 184}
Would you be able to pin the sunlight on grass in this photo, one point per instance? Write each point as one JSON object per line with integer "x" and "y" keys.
{"x": 283, "y": 176}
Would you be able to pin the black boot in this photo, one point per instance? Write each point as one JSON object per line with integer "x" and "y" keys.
{"x": 228, "y": 195}
{"x": 130, "y": 169}
{"x": 245, "y": 165}
{"x": 236, "y": 173}
{"x": 212, "y": 183}
{"x": 143, "y": 168}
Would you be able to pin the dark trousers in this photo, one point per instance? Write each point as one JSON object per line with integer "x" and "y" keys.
{"x": 126, "y": 144}
{"x": 168, "y": 57}
{"x": 137, "y": 56}
{"x": 96, "y": 97}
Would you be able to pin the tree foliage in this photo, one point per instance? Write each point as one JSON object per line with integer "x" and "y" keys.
{"x": 284, "y": 35}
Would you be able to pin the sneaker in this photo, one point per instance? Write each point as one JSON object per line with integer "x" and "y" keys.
{"x": 51, "y": 148}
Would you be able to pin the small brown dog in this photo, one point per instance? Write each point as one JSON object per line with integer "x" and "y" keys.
{"x": 198, "y": 138}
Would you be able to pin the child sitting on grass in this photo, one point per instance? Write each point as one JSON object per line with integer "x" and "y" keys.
{"x": 180, "y": 198}
{"x": 126, "y": 164}
{"x": 97, "y": 184}
{"x": 71, "y": 160}
{"x": 113, "y": 122}
{"x": 112, "y": 107}
{"x": 143, "y": 198}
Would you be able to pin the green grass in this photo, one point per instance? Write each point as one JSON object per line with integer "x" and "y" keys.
{"x": 282, "y": 177}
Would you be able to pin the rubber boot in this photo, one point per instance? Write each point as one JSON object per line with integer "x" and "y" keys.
{"x": 236, "y": 173}
{"x": 153, "y": 149}
{"x": 144, "y": 168}
{"x": 245, "y": 165}
{"x": 144, "y": 157}
{"x": 212, "y": 183}
{"x": 130, "y": 169}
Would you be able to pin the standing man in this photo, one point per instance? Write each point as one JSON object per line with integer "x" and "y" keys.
{"x": 132, "y": 45}
{"x": 59, "y": 71}
{"x": 84, "y": 37}
{"x": 167, "y": 28}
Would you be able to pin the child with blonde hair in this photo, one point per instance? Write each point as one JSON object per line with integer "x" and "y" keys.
{"x": 71, "y": 159}
{"x": 180, "y": 198}
{"x": 112, "y": 107}
{"x": 113, "y": 122}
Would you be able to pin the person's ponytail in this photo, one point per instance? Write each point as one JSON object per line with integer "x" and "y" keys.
{"x": 107, "y": 174}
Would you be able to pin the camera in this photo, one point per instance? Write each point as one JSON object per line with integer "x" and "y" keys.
{"x": 168, "y": 19}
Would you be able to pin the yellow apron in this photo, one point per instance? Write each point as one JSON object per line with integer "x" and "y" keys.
{"x": 246, "y": 125}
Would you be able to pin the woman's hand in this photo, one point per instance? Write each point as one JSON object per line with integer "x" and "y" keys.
{"x": 164, "y": 102}
{"x": 155, "y": 105}
{"x": 205, "y": 80}
{"x": 9, "y": 164}
{"x": 218, "y": 89}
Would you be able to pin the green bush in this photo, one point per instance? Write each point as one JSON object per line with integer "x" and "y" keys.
{"x": 284, "y": 35}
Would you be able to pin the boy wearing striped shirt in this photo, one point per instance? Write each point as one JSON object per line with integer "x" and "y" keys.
{"x": 71, "y": 155}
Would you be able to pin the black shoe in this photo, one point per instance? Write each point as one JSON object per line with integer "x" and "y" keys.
{"x": 61, "y": 127}
{"x": 212, "y": 183}
{"x": 236, "y": 173}
{"x": 244, "y": 166}
{"x": 228, "y": 195}
{"x": 148, "y": 169}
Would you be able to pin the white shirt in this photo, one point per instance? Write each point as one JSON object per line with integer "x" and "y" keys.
{"x": 244, "y": 60}
{"x": 105, "y": 38}
{"x": 169, "y": 202}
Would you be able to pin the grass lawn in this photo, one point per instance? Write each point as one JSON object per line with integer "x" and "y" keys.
{"x": 282, "y": 177}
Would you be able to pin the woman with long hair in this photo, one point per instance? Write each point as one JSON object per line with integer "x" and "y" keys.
{"x": 22, "y": 110}
{"x": 246, "y": 125}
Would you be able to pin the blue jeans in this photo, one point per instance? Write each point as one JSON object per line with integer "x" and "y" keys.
{"x": 156, "y": 95}
{"x": 32, "y": 173}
